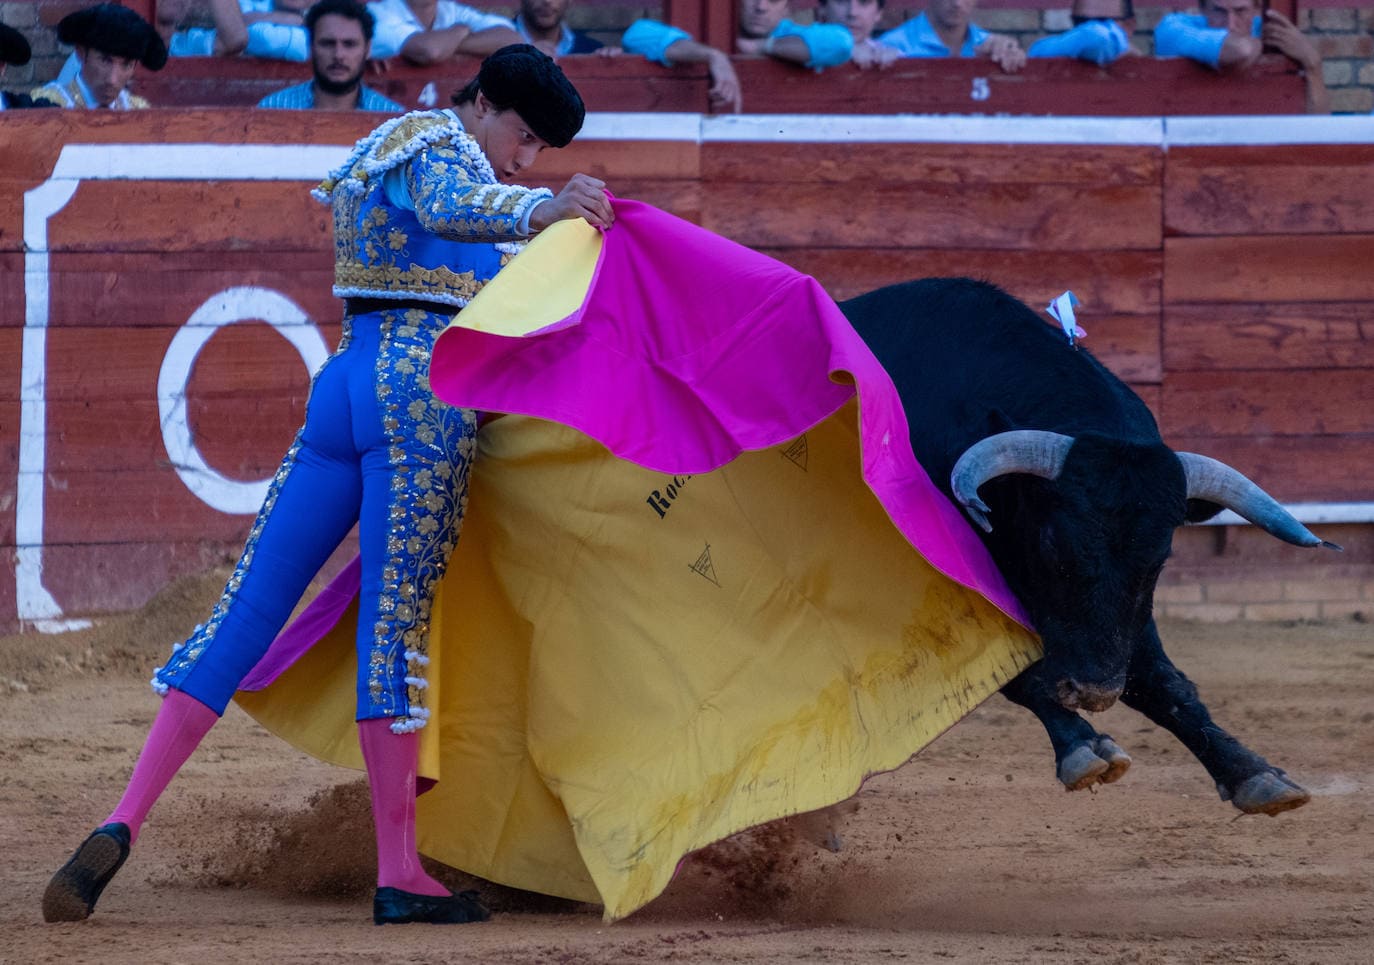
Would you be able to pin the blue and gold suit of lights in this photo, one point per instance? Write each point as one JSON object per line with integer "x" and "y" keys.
{"x": 418, "y": 214}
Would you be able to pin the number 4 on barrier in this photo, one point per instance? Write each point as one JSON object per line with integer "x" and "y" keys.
{"x": 429, "y": 96}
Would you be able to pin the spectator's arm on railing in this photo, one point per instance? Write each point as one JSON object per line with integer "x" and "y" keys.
{"x": 816, "y": 46}
{"x": 1186, "y": 35}
{"x": 231, "y": 30}
{"x": 425, "y": 47}
{"x": 1098, "y": 41}
{"x": 1003, "y": 51}
{"x": 487, "y": 40}
{"x": 1284, "y": 36}
{"x": 668, "y": 45}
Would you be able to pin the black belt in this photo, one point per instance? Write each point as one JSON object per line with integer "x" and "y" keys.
{"x": 362, "y": 306}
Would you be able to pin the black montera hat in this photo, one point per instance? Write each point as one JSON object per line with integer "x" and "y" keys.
{"x": 116, "y": 31}
{"x": 14, "y": 49}
{"x": 524, "y": 79}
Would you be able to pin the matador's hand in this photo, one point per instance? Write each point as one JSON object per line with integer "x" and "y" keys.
{"x": 582, "y": 197}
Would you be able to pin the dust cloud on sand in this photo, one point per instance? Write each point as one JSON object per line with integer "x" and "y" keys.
{"x": 971, "y": 852}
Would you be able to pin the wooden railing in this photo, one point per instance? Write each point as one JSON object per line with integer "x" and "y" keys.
{"x": 1138, "y": 86}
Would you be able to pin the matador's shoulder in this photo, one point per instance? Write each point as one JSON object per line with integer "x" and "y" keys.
{"x": 393, "y": 144}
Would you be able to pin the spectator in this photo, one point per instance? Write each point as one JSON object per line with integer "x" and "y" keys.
{"x": 110, "y": 41}
{"x": 668, "y": 46}
{"x": 226, "y": 37}
{"x": 14, "y": 49}
{"x": 947, "y": 30}
{"x": 543, "y": 24}
{"x": 431, "y": 31}
{"x": 1230, "y": 35}
{"x": 1101, "y": 33}
{"x": 763, "y": 29}
{"x": 861, "y": 18}
{"x": 340, "y": 44}
{"x": 272, "y": 29}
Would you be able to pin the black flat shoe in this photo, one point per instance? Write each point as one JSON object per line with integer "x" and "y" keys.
{"x": 392, "y": 906}
{"x": 72, "y": 892}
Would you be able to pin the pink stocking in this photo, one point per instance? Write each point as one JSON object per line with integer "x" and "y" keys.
{"x": 180, "y": 724}
{"x": 392, "y": 760}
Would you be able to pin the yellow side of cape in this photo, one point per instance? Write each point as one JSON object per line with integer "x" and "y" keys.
{"x": 631, "y": 666}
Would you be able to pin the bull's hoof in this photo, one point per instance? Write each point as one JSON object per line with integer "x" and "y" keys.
{"x": 1269, "y": 792}
{"x": 1118, "y": 761}
{"x": 1081, "y": 768}
{"x": 1099, "y": 761}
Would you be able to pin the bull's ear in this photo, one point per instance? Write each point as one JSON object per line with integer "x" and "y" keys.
{"x": 1200, "y": 510}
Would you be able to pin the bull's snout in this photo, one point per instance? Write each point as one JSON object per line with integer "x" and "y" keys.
{"x": 1076, "y": 695}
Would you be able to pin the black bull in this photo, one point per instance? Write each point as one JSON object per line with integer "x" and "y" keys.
{"x": 1078, "y": 512}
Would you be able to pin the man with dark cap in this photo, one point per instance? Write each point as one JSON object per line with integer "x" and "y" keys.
{"x": 14, "y": 49}
{"x": 421, "y": 223}
{"x": 110, "y": 41}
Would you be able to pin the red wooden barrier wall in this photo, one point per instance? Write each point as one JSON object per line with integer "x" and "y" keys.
{"x": 1229, "y": 284}
{"x": 1136, "y": 86}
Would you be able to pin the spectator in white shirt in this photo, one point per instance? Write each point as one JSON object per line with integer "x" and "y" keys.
{"x": 431, "y": 31}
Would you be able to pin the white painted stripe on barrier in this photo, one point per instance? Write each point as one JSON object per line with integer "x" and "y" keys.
{"x": 1309, "y": 514}
{"x": 931, "y": 129}
{"x": 643, "y": 126}
{"x": 1285, "y": 129}
{"x": 188, "y": 162}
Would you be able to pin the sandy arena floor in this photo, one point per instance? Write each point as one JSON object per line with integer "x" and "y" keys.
{"x": 969, "y": 853}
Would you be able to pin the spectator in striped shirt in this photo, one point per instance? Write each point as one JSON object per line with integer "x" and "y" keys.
{"x": 340, "y": 43}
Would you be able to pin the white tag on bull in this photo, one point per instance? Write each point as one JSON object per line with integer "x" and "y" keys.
{"x": 1061, "y": 310}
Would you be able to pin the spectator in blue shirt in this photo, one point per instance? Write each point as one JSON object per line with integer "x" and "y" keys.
{"x": 763, "y": 29}
{"x": 543, "y": 23}
{"x": 256, "y": 28}
{"x": 340, "y": 44}
{"x": 668, "y": 46}
{"x": 946, "y": 29}
{"x": 1230, "y": 35}
{"x": 861, "y": 18}
{"x": 274, "y": 29}
{"x": 1101, "y": 33}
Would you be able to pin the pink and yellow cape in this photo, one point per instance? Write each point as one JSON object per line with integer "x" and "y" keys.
{"x": 703, "y": 582}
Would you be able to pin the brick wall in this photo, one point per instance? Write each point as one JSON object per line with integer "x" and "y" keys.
{"x": 43, "y": 39}
{"x": 1219, "y": 574}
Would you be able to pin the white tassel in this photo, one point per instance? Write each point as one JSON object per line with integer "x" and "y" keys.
{"x": 407, "y": 725}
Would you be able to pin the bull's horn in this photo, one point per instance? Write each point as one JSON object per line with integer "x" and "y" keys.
{"x": 1218, "y": 483}
{"x": 1035, "y": 452}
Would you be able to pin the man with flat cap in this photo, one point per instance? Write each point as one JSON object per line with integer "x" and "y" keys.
{"x": 110, "y": 41}
{"x": 422, "y": 221}
{"x": 14, "y": 49}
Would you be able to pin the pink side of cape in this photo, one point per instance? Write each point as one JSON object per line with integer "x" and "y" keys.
{"x": 688, "y": 350}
